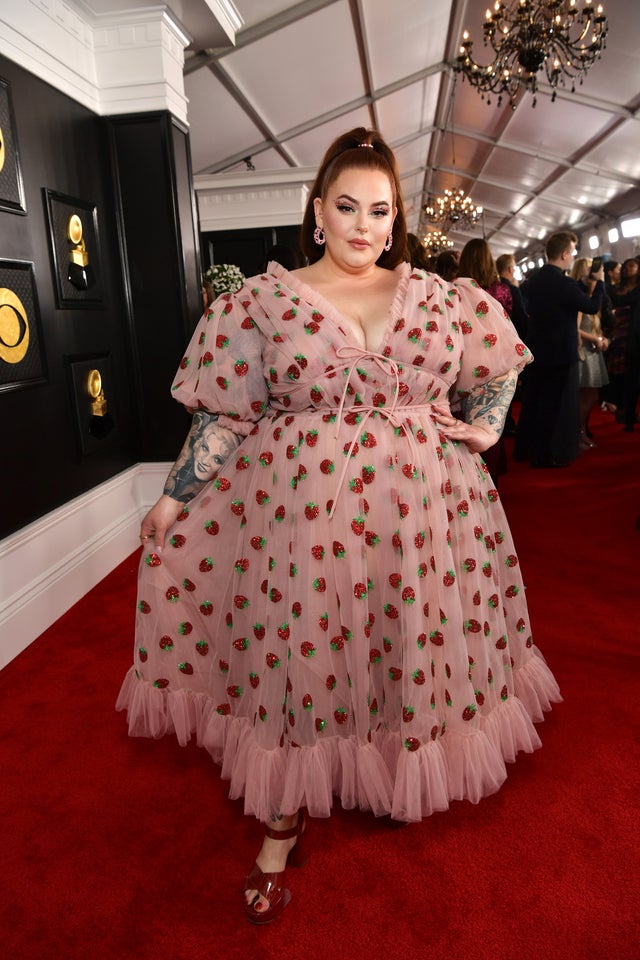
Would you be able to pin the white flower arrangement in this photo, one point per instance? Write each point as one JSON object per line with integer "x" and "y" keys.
{"x": 224, "y": 278}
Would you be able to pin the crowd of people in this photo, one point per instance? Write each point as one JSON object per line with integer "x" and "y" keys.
{"x": 581, "y": 319}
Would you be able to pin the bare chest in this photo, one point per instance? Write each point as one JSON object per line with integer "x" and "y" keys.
{"x": 365, "y": 313}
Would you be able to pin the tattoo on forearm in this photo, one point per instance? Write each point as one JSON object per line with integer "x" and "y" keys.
{"x": 207, "y": 447}
{"x": 488, "y": 405}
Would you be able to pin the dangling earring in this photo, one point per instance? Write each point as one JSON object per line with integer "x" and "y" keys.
{"x": 389, "y": 242}
{"x": 318, "y": 236}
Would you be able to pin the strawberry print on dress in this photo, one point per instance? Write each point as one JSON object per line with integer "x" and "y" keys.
{"x": 341, "y": 611}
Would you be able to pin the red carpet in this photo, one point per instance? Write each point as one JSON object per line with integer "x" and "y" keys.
{"x": 120, "y": 848}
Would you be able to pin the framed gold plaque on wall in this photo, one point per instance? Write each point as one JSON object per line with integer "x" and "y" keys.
{"x": 11, "y": 186}
{"x": 22, "y": 361}
{"x": 75, "y": 250}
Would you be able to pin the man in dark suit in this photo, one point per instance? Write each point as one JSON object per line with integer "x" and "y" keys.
{"x": 549, "y": 426}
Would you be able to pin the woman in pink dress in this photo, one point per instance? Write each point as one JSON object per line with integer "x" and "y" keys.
{"x": 336, "y": 608}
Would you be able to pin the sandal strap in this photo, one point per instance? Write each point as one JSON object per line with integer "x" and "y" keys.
{"x": 283, "y": 834}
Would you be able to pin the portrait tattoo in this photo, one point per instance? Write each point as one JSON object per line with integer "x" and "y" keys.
{"x": 207, "y": 447}
{"x": 488, "y": 404}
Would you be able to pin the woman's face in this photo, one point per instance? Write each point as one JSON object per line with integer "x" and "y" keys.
{"x": 205, "y": 460}
{"x": 614, "y": 273}
{"x": 630, "y": 270}
{"x": 357, "y": 216}
{"x": 584, "y": 269}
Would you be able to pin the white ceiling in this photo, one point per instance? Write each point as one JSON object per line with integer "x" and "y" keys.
{"x": 302, "y": 72}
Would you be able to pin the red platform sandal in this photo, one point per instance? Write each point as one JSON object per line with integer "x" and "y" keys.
{"x": 269, "y": 886}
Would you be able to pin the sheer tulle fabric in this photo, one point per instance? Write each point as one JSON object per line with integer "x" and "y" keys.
{"x": 341, "y": 612}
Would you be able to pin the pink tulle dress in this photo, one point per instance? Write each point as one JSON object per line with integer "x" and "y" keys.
{"x": 341, "y": 611}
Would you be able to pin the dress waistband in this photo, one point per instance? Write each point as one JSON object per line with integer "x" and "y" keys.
{"x": 395, "y": 413}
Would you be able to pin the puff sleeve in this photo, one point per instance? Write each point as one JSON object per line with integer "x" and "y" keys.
{"x": 491, "y": 345}
{"x": 222, "y": 369}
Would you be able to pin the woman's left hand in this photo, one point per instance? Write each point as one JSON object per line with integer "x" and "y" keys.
{"x": 477, "y": 438}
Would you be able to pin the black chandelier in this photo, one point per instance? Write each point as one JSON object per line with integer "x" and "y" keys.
{"x": 436, "y": 240}
{"x": 528, "y": 36}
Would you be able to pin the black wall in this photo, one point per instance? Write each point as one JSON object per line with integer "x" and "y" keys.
{"x": 247, "y": 249}
{"x": 137, "y": 172}
{"x": 161, "y": 255}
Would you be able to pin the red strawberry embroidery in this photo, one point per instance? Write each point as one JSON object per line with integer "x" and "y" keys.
{"x": 368, "y": 474}
{"x": 241, "y": 368}
{"x": 311, "y": 511}
{"x": 202, "y": 647}
{"x": 185, "y": 668}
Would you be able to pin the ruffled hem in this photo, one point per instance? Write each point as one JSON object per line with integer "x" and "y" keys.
{"x": 380, "y": 776}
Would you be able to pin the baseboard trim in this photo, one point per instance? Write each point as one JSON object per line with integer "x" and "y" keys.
{"x": 50, "y": 564}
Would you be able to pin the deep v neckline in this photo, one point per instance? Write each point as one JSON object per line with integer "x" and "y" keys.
{"x": 316, "y": 300}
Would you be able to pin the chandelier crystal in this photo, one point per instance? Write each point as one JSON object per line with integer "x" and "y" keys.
{"x": 453, "y": 207}
{"x": 528, "y": 36}
{"x": 435, "y": 241}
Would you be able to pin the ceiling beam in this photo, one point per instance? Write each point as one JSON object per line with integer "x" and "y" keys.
{"x": 330, "y": 115}
{"x": 258, "y": 31}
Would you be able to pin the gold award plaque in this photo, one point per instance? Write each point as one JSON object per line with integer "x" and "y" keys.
{"x": 14, "y": 327}
{"x": 94, "y": 383}
{"x": 74, "y": 229}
